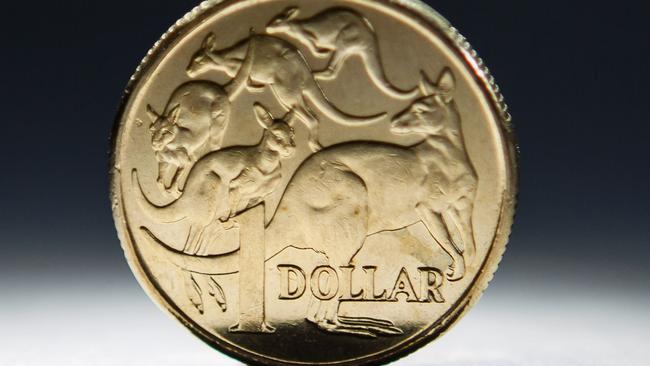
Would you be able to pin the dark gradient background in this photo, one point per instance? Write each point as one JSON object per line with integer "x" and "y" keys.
{"x": 572, "y": 289}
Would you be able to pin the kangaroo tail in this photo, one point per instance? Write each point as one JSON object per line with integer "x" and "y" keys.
{"x": 375, "y": 69}
{"x": 208, "y": 265}
{"x": 315, "y": 94}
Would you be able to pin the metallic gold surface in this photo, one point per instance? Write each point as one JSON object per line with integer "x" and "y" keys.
{"x": 313, "y": 182}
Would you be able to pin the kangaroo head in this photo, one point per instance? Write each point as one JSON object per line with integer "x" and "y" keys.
{"x": 164, "y": 131}
{"x": 163, "y": 127}
{"x": 282, "y": 22}
{"x": 202, "y": 59}
{"x": 278, "y": 135}
{"x": 432, "y": 113}
{"x": 192, "y": 125}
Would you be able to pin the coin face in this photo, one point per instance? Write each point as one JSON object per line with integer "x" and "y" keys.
{"x": 313, "y": 182}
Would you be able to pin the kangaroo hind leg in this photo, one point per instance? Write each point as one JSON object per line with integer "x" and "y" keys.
{"x": 436, "y": 226}
{"x": 463, "y": 212}
{"x": 311, "y": 41}
{"x": 308, "y": 117}
{"x": 333, "y": 67}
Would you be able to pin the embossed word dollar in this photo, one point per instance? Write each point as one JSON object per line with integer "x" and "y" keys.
{"x": 313, "y": 182}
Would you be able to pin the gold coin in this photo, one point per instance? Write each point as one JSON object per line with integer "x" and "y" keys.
{"x": 313, "y": 182}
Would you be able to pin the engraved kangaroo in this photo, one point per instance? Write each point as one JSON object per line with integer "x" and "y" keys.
{"x": 337, "y": 199}
{"x": 223, "y": 184}
{"x": 340, "y": 33}
{"x": 262, "y": 61}
{"x": 192, "y": 125}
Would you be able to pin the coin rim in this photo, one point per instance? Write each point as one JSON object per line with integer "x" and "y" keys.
{"x": 457, "y": 44}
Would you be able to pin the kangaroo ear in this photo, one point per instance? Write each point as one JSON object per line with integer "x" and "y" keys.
{"x": 427, "y": 88}
{"x": 291, "y": 13}
{"x": 446, "y": 85}
{"x": 208, "y": 42}
{"x": 174, "y": 113}
{"x": 447, "y": 82}
{"x": 289, "y": 117}
{"x": 153, "y": 115}
{"x": 264, "y": 117}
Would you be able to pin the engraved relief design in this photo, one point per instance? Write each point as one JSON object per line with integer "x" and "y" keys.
{"x": 192, "y": 125}
{"x": 223, "y": 184}
{"x": 339, "y": 34}
{"x": 336, "y": 200}
{"x": 263, "y": 61}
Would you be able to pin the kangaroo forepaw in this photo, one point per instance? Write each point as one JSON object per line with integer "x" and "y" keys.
{"x": 315, "y": 146}
{"x": 174, "y": 191}
{"x": 327, "y": 74}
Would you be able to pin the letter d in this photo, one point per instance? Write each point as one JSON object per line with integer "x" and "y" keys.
{"x": 293, "y": 282}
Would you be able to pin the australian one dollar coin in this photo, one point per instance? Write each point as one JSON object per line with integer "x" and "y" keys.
{"x": 313, "y": 181}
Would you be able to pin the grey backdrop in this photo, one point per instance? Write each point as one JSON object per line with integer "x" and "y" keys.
{"x": 574, "y": 72}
